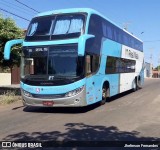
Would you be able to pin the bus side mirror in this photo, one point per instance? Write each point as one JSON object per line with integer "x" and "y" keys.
{"x": 7, "y": 48}
{"x": 82, "y": 43}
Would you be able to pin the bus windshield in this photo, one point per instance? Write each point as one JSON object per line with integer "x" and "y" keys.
{"x": 58, "y": 61}
{"x": 56, "y": 27}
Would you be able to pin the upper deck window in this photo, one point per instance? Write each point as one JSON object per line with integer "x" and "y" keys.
{"x": 40, "y": 27}
{"x": 56, "y": 27}
{"x": 68, "y": 24}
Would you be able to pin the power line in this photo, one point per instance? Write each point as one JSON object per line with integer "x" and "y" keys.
{"x": 152, "y": 41}
{"x": 27, "y": 6}
{"x": 14, "y": 14}
{"x": 4, "y": 1}
{"x": 13, "y": 7}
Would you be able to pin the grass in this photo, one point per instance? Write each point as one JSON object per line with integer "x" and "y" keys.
{"x": 8, "y": 98}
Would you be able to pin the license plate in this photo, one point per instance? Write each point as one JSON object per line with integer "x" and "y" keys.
{"x": 48, "y": 103}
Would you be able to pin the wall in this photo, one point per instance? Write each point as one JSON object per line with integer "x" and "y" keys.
{"x": 5, "y": 79}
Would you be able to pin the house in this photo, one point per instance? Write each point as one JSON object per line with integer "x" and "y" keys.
{"x": 156, "y": 74}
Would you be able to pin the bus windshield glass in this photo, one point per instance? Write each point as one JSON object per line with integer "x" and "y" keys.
{"x": 56, "y": 27}
{"x": 59, "y": 61}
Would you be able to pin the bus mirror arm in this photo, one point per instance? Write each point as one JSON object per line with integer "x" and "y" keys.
{"x": 82, "y": 43}
{"x": 8, "y": 45}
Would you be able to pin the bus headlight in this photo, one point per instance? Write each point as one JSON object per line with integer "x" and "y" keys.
{"x": 74, "y": 92}
{"x": 27, "y": 94}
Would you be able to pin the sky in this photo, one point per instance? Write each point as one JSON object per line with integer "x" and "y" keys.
{"x": 141, "y": 17}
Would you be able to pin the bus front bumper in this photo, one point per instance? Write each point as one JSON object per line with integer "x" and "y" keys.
{"x": 78, "y": 100}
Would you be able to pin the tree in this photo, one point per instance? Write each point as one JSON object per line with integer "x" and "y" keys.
{"x": 157, "y": 68}
{"x": 9, "y": 31}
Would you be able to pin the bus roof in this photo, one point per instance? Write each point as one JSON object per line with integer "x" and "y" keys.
{"x": 70, "y": 10}
{"x": 82, "y": 10}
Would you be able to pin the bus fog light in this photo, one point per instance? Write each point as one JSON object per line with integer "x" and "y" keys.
{"x": 76, "y": 101}
{"x": 74, "y": 92}
{"x": 27, "y": 94}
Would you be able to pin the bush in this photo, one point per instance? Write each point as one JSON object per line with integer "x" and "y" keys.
{"x": 9, "y": 97}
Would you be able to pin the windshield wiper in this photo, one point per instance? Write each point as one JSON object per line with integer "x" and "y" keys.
{"x": 66, "y": 77}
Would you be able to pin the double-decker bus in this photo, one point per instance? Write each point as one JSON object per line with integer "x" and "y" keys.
{"x": 77, "y": 57}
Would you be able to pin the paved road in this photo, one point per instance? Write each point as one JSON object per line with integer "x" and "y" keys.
{"x": 129, "y": 116}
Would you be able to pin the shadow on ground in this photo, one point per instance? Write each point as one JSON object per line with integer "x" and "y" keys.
{"x": 82, "y": 132}
{"x": 68, "y": 110}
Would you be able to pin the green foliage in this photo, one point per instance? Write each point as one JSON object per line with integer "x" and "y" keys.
{"x": 157, "y": 68}
{"x": 8, "y": 98}
{"x": 9, "y": 31}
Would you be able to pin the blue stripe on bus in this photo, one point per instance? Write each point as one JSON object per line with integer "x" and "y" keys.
{"x": 112, "y": 48}
{"x": 52, "y": 89}
{"x": 66, "y": 11}
{"x": 71, "y": 41}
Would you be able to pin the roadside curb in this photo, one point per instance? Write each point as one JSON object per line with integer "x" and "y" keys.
{"x": 152, "y": 78}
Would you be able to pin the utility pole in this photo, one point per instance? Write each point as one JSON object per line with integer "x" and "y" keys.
{"x": 151, "y": 62}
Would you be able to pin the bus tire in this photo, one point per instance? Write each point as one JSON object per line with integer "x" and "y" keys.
{"x": 139, "y": 86}
{"x": 105, "y": 94}
{"x": 135, "y": 85}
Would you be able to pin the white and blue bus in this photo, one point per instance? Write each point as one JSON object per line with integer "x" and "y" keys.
{"x": 77, "y": 57}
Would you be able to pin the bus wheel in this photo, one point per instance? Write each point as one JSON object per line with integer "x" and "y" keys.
{"x": 134, "y": 85}
{"x": 104, "y": 95}
{"x": 139, "y": 86}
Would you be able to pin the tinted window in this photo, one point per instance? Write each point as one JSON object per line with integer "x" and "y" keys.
{"x": 66, "y": 26}
{"x": 40, "y": 27}
{"x": 92, "y": 63}
{"x": 114, "y": 33}
{"x": 95, "y": 28}
{"x": 60, "y": 60}
{"x": 56, "y": 27}
{"x": 108, "y": 29}
{"x": 119, "y": 65}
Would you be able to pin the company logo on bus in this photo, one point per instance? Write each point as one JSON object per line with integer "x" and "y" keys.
{"x": 131, "y": 54}
{"x": 51, "y": 78}
{"x": 37, "y": 90}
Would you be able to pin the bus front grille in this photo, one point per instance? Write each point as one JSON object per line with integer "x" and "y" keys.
{"x": 48, "y": 96}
